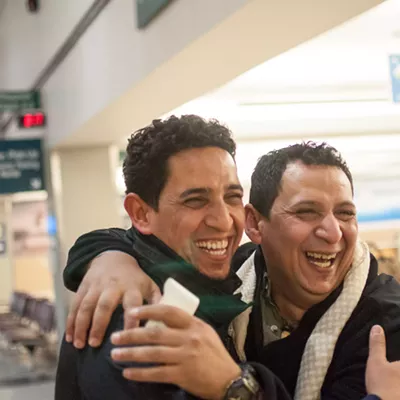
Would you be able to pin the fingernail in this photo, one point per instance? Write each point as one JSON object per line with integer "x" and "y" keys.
{"x": 115, "y": 337}
{"x": 115, "y": 353}
{"x": 79, "y": 344}
{"x": 126, "y": 373}
{"x": 93, "y": 342}
{"x": 133, "y": 312}
{"x": 376, "y": 330}
{"x": 68, "y": 338}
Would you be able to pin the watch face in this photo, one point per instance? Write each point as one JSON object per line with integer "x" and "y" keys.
{"x": 238, "y": 391}
{"x": 251, "y": 383}
{"x": 245, "y": 387}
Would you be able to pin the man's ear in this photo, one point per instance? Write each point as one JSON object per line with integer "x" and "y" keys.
{"x": 252, "y": 224}
{"x": 139, "y": 212}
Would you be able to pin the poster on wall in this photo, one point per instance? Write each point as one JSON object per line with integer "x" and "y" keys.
{"x": 21, "y": 166}
{"x": 29, "y": 222}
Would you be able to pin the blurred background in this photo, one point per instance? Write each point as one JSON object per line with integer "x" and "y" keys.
{"x": 78, "y": 76}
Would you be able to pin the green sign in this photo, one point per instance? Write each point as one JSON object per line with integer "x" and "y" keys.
{"x": 21, "y": 166}
{"x": 147, "y": 10}
{"x": 15, "y": 101}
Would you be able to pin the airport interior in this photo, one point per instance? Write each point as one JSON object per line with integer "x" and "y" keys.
{"x": 78, "y": 77}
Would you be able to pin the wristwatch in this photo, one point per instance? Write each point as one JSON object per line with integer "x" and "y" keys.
{"x": 245, "y": 387}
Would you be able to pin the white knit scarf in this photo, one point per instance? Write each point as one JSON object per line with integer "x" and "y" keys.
{"x": 321, "y": 344}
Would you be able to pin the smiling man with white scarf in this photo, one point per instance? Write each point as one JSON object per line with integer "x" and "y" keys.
{"x": 313, "y": 284}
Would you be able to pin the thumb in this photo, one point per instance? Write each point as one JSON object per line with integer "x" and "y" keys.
{"x": 377, "y": 344}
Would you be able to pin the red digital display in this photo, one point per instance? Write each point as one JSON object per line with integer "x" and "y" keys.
{"x": 32, "y": 120}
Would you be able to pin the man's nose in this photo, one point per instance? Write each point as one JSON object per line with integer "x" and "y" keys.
{"x": 219, "y": 217}
{"x": 330, "y": 229}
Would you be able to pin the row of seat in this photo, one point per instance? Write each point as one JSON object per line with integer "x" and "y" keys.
{"x": 28, "y": 322}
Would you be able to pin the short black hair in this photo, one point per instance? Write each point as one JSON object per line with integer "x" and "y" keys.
{"x": 145, "y": 166}
{"x": 267, "y": 176}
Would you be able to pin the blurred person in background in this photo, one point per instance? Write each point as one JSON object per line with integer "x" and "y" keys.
{"x": 386, "y": 265}
{"x": 389, "y": 266}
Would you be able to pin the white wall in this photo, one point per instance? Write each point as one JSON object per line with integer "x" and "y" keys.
{"x": 87, "y": 197}
{"x": 28, "y": 41}
{"x": 117, "y": 78}
{"x": 111, "y": 56}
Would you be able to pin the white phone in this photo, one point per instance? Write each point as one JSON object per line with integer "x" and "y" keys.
{"x": 178, "y": 296}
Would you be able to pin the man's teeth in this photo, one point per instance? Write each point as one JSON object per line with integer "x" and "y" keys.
{"x": 213, "y": 244}
{"x": 322, "y": 264}
{"x": 215, "y": 247}
{"x": 321, "y": 255}
{"x": 321, "y": 260}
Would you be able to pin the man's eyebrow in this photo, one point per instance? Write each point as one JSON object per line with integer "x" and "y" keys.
{"x": 206, "y": 190}
{"x": 235, "y": 186}
{"x": 306, "y": 203}
{"x": 191, "y": 191}
{"x": 314, "y": 203}
{"x": 347, "y": 203}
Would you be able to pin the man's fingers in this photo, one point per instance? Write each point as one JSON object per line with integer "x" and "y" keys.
{"x": 132, "y": 299}
{"x": 171, "y": 316}
{"x": 155, "y": 335}
{"x": 147, "y": 354}
{"x": 106, "y": 305}
{"x": 69, "y": 330}
{"x": 162, "y": 374}
{"x": 84, "y": 318}
{"x": 73, "y": 311}
{"x": 377, "y": 345}
{"x": 155, "y": 294}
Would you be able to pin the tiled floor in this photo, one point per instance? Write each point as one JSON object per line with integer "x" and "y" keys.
{"x": 44, "y": 391}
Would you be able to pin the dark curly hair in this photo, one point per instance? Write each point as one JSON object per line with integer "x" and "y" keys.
{"x": 267, "y": 176}
{"x": 145, "y": 166}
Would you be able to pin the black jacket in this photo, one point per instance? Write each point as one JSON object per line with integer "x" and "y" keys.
{"x": 280, "y": 361}
{"x": 91, "y": 374}
{"x": 345, "y": 379}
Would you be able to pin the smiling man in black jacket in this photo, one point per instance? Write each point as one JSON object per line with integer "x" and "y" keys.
{"x": 313, "y": 285}
{"x": 185, "y": 203}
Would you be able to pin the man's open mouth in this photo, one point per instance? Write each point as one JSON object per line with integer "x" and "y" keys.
{"x": 213, "y": 247}
{"x": 322, "y": 260}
